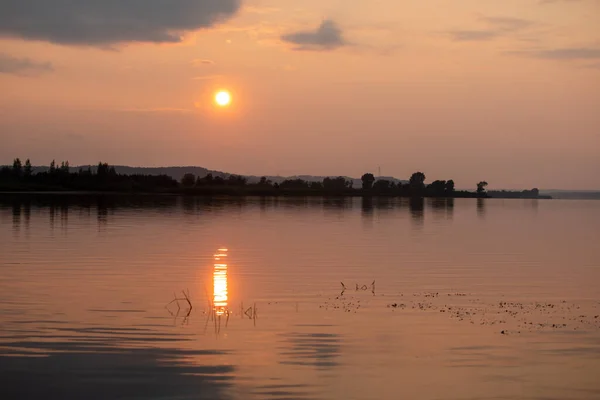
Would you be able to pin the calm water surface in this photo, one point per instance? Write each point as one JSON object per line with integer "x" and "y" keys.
{"x": 298, "y": 298}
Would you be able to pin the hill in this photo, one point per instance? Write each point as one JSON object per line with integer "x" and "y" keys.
{"x": 178, "y": 172}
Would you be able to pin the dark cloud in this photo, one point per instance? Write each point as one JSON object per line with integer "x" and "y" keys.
{"x": 106, "y": 22}
{"x": 328, "y": 36}
{"x": 22, "y": 66}
{"x": 495, "y": 27}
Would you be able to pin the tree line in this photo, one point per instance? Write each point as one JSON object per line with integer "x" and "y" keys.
{"x": 104, "y": 177}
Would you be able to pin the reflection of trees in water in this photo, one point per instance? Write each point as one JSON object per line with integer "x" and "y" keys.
{"x": 95, "y": 370}
{"x": 106, "y": 205}
{"x": 102, "y": 211}
{"x": 481, "y": 207}
{"x": 339, "y": 203}
{"x": 442, "y": 206}
{"x": 16, "y": 216}
{"x": 367, "y": 206}
{"x": 316, "y": 349}
{"x": 450, "y": 207}
{"x": 417, "y": 207}
{"x": 21, "y": 215}
{"x": 534, "y": 204}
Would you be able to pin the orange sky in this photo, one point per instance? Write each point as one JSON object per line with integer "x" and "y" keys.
{"x": 506, "y": 91}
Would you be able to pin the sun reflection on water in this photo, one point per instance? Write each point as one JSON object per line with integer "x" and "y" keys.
{"x": 220, "y": 295}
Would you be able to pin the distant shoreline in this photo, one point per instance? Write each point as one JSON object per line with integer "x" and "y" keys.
{"x": 249, "y": 193}
{"x": 23, "y": 179}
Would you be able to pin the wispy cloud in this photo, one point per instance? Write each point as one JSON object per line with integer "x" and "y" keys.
{"x": 558, "y": 1}
{"x": 157, "y": 110}
{"x": 494, "y": 27}
{"x": 564, "y": 53}
{"x": 104, "y": 23}
{"x": 206, "y": 77}
{"x": 326, "y": 37}
{"x": 22, "y": 66}
{"x": 473, "y": 35}
{"x": 201, "y": 62}
{"x": 570, "y": 53}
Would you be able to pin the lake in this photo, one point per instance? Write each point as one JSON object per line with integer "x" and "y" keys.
{"x": 298, "y": 298}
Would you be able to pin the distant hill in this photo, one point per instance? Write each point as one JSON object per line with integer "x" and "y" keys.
{"x": 178, "y": 172}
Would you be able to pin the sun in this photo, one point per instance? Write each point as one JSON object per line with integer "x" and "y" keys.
{"x": 223, "y": 98}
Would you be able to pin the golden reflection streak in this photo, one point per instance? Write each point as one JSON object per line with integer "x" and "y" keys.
{"x": 220, "y": 295}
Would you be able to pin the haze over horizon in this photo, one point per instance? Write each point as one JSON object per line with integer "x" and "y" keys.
{"x": 471, "y": 90}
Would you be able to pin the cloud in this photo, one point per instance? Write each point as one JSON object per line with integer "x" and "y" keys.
{"x": 328, "y": 36}
{"x": 473, "y": 35}
{"x": 206, "y": 77}
{"x": 199, "y": 62}
{"x": 157, "y": 110}
{"x": 566, "y": 53}
{"x": 574, "y": 53}
{"x": 107, "y": 22}
{"x": 507, "y": 24}
{"x": 22, "y": 66}
{"x": 557, "y": 1}
{"x": 495, "y": 27}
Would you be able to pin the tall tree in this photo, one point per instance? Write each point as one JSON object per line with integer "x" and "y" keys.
{"x": 481, "y": 187}
{"x": 17, "y": 167}
{"x": 449, "y": 187}
{"x": 417, "y": 183}
{"x": 382, "y": 186}
{"x": 28, "y": 171}
{"x": 64, "y": 167}
{"x": 367, "y": 181}
{"x": 437, "y": 188}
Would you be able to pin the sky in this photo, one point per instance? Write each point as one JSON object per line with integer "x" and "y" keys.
{"x": 503, "y": 91}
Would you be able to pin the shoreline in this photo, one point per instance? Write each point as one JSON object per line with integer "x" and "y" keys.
{"x": 247, "y": 193}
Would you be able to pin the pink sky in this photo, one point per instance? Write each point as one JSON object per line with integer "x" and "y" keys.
{"x": 504, "y": 91}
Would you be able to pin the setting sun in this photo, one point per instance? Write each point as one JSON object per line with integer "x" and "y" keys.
{"x": 223, "y": 98}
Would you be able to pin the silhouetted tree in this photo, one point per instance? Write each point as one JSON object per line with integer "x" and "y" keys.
{"x": 417, "y": 183}
{"x": 264, "y": 181}
{"x": 335, "y": 184}
{"x": 52, "y": 167}
{"x": 535, "y": 192}
{"x": 382, "y": 186}
{"x": 236, "y": 180}
{"x": 28, "y": 171}
{"x": 367, "y": 181}
{"x": 294, "y": 184}
{"x": 17, "y": 168}
{"x": 437, "y": 188}
{"x": 449, "y": 187}
{"x": 64, "y": 167}
{"x": 481, "y": 187}
{"x": 101, "y": 171}
{"x": 207, "y": 180}
{"x": 188, "y": 180}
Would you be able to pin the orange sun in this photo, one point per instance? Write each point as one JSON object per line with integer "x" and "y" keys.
{"x": 223, "y": 98}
